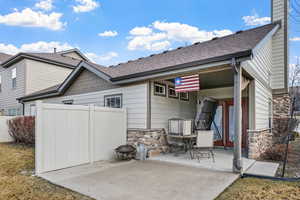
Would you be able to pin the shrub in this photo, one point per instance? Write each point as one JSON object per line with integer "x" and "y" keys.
{"x": 22, "y": 129}
{"x": 276, "y": 152}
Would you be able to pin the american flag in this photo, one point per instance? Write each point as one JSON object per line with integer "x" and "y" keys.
{"x": 187, "y": 83}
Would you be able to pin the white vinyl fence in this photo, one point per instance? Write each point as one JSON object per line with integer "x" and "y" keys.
{"x": 4, "y": 135}
{"x": 70, "y": 135}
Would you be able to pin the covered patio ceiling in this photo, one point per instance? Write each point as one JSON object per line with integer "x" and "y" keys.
{"x": 215, "y": 79}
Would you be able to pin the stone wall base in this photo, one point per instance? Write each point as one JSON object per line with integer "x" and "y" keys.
{"x": 281, "y": 106}
{"x": 259, "y": 141}
{"x": 155, "y": 140}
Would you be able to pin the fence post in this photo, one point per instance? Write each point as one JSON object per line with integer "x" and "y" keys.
{"x": 39, "y": 158}
{"x": 91, "y": 132}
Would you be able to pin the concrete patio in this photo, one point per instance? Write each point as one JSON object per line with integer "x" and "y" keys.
{"x": 223, "y": 160}
{"x": 147, "y": 180}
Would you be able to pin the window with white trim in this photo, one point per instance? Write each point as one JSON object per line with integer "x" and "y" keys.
{"x": 159, "y": 89}
{"x": 172, "y": 92}
{"x": 113, "y": 101}
{"x": 184, "y": 96}
{"x": 14, "y": 78}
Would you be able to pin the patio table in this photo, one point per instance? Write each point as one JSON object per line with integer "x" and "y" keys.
{"x": 187, "y": 141}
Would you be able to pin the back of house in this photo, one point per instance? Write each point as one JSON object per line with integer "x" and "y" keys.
{"x": 147, "y": 86}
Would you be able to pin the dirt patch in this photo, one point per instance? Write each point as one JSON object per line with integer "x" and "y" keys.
{"x": 18, "y": 182}
{"x": 261, "y": 189}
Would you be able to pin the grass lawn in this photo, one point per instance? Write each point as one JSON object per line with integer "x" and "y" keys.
{"x": 261, "y": 189}
{"x": 17, "y": 182}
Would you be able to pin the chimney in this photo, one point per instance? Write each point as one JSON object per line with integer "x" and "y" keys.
{"x": 280, "y": 47}
{"x": 54, "y": 50}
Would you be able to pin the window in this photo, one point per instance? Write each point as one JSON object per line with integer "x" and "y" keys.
{"x": 32, "y": 110}
{"x": 113, "y": 101}
{"x": 68, "y": 102}
{"x": 172, "y": 92}
{"x": 159, "y": 89}
{"x": 184, "y": 96}
{"x": 14, "y": 78}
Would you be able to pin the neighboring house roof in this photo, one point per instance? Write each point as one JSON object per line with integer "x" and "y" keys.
{"x": 4, "y": 56}
{"x": 238, "y": 45}
{"x": 53, "y": 58}
{"x": 75, "y": 50}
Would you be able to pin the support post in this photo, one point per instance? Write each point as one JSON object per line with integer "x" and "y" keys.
{"x": 39, "y": 158}
{"x": 237, "y": 157}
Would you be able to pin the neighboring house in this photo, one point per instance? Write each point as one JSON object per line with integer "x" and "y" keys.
{"x": 245, "y": 72}
{"x": 26, "y": 73}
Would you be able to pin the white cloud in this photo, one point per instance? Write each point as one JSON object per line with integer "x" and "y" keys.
{"x": 46, "y": 5}
{"x": 160, "y": 35}
{"x": 30, "y": 18}
{"x": 40, "y": 46}
{"x": 85, "y": 6}
{"x": 186, "y": 33}
{"x": 255, "y": 20}
{"x": 295, "y": 39}
{"x": 108, "y": 34}
{"x": 141, "y": 31}
{"x": 146, "y": 42}
{"x": 100, "y": 58}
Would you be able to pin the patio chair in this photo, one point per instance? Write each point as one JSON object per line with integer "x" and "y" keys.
{"x": 204, "y": 145}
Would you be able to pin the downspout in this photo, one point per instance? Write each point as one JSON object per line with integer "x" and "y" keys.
{"x": 23, "y": 108}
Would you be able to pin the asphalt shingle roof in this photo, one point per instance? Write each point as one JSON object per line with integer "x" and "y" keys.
{"x": 241, "y": 41}
{"x": 4, "y": 56}
{"x": 231, "y": 44}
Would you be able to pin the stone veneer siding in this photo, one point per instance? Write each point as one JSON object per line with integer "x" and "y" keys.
{"x": 155, "y": 140}
{"x": 259, "y": 141}
{"x": 281, "y": 111}
{"x": 281, "y": 106}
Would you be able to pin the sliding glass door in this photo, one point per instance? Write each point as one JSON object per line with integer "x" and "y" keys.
{"x": 224, "y": 123}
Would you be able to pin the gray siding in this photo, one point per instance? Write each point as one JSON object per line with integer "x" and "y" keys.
{"x": 164, "y": 108}
{"x": 40, "y": 75}
{"x": 261, "y": 106}
{"x": 89, "y": 82}
{"x": 8, "y": 95}
{"x": 134, "y": 100}
{"x": 280, "y": 54}
{"x": 260, "y": 67}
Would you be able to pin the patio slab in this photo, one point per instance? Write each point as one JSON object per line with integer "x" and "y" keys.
{"x": 263, "y": 168}
{"x": 147, "y": 180}
{"x": 223, "y": 160}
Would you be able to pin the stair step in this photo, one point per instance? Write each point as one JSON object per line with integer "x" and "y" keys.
{"x": 263, "y": 168}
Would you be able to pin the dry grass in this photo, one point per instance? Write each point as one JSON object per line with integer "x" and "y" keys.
{"x": 293, "y": 164}
{"x": 17, "y": 183}
{"x": 261, "y": 189}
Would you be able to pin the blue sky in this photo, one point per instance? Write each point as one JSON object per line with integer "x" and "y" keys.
{"x": 113, "y": 31}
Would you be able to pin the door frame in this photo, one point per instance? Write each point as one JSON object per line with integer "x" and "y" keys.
{"x": 225, "y": 103}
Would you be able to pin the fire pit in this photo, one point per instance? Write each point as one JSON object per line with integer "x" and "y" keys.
{"x": 125, "y": 152}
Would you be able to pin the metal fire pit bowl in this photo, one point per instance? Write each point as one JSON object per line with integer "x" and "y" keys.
{"x": 125, "y": 152}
